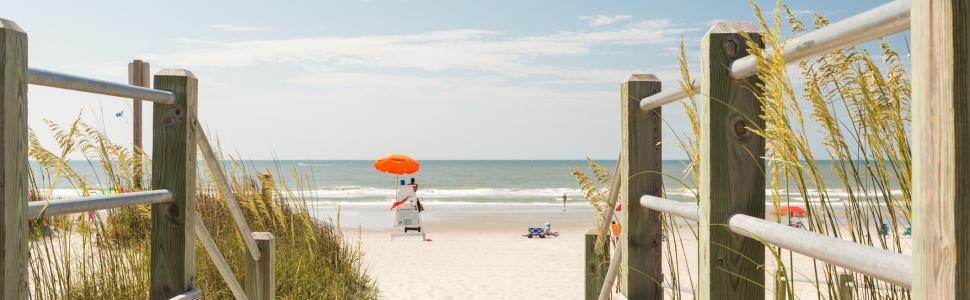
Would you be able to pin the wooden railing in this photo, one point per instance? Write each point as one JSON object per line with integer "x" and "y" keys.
{"x": 732, "y": 229}
{"x": 175, "y": 222}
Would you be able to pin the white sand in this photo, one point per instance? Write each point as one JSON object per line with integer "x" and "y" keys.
{"x": 476, "y": 253}
{"x": 487, "y": 264}
{"x": 481, "y": 255}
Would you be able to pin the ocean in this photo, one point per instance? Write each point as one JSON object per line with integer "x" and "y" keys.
{"x": 464, "y": 182}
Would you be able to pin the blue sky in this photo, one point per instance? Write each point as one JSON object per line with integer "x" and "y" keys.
{"x": 360, "y": 79}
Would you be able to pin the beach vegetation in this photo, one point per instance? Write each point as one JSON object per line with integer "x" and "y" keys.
{"x": 105, "y": 255}
{"x": 854, "y": 102}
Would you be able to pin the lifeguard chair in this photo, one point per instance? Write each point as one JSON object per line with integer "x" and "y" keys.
{"x": 407, "y": 215}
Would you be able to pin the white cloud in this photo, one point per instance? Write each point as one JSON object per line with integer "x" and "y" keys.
{"x": 231, "y": 27}
{"x": 474, "y": 50}
{"x": 601, "y": 20}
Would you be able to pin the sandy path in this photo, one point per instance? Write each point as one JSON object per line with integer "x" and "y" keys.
{"x": 485, "y": 265}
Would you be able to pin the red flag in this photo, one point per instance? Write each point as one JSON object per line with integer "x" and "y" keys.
{"x": 398, "y": 203}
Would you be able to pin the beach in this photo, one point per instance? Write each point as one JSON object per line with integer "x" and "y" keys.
{"x": 479, "y": 253}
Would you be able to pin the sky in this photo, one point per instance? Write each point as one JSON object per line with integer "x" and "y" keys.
{"x": 362, "y": 79}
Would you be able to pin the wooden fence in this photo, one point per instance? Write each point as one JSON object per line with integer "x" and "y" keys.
{"x": 176, "y": 139}
{"x": 732, "y": 229}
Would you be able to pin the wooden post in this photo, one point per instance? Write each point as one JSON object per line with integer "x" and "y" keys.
{"x": 640, "y": 163}
{"x": 139, "y": 74}
{"x": 13, "y": 161}
{"x": 941, "y": 149}
{"x": 173, "y": 168}
{"x": 261, "y": 275}
{"x": 781, "y": 285}
{"x": 595, "y": 266}
{"x": 846, "y": 286}
{"x": 732, "y": 169}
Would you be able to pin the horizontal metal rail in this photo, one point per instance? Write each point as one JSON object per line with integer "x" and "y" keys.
{"x": 882, "y": 264}
{"x": 879, "y": 263}
{"x": 889, "y": 18}
{"x": 881, "y": 21}
{"x": 83, "y": 84}
{"x": 683, "y": 209}
{"x": 665, "y": 97}
{"x": 193, "y": 294}
{"x": 37, "y": 209}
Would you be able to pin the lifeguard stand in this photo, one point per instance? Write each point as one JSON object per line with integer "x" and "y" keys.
{"x": 407, "y": 215}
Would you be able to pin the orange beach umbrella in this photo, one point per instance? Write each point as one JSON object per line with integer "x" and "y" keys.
{"x": 399, "y": 164}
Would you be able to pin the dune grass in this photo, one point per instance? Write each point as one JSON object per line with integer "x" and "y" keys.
{"x": 105, "y": 255}
{"x": 860, "y": 107}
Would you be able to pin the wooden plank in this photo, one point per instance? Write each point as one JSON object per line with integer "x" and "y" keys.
{"x": 604, "y": 233}
{"x": 941, "y": 149}
{"x": 217, "y": 259}
{"x": 640, "y": 162}
{"x": 139, "y": 74}
{"x": 173, "y": 168}
{"x": 595, "y": 265}
{"x": 611, "y": 273}
{"x": 13, "y": 161}
{"x": 261, "y": 274}
{"x": 732, "y": 164}
{"x": 781, "y": 285}
{"x": 214, "y": 165}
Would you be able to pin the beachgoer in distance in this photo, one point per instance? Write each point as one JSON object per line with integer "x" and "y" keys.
{"x": 563, "y": 200}
{"x": 616, "y": 230}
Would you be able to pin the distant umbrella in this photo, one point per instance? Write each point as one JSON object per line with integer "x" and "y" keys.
{"x": 789, "y": 210}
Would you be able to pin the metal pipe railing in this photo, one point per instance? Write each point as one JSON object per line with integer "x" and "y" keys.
{"x": 889, "y": 18}
{"x": 37, "y": 209}
{"x": 878, "y": 263}
{"x": 83, "y": 84}
{"x": 665, "y": 97}
{"x": 881, "y": 21}
{"x": 683, "y": 209}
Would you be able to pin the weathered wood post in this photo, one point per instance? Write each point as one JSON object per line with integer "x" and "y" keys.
{"x": 595, "y": 264}
{"x": 941, "y": 149}
{"x": 261, "y": 275}
{"x": 173, "y": 168}
{"x": 732, "y": 168}
{"x": 139, "y": 74}
{"x": 781, "y": 285}
{"x": 13, "y": 161}
{"x": 640, "y": 161}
